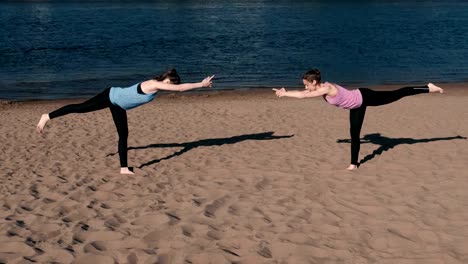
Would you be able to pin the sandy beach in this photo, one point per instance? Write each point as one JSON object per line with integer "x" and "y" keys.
{"x": 237, "y": 177}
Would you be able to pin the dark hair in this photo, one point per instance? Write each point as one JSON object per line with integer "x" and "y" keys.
{"x": 174, "y": 78}
{"x": 312, "y": 75}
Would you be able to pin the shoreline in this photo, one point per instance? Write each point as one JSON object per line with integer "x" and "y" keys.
{"x": 461, "y": 88}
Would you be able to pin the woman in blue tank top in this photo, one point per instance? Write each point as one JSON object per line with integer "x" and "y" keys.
{"x": 121, "y": 99}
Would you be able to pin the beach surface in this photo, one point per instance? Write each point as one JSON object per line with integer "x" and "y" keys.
{"x": 237, "y": 177}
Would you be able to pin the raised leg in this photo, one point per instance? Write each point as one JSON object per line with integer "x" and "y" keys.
{"x": 376, "y": 98}
{"x": 98, "y": 102}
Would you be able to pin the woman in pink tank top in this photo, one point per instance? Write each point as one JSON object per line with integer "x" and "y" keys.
{"x": 355, "y": 100}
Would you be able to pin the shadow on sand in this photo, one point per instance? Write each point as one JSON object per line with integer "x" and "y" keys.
{"x": 187, "y": 146}
{"x": 386, "y": 143}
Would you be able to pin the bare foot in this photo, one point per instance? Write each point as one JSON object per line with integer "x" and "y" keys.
{"x": 42, "y": 122}
{"x": 352, "y": 167}
{"x": 126, "y": 171}
{"x": 434, "y": 88}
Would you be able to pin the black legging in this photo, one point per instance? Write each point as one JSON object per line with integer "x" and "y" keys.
{"x": 374, "y": 98}
{"x": 99, "y": 102}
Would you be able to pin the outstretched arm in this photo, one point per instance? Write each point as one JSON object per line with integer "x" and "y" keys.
{"x": 301, "y": 94}
{"x": 152, "y": 86}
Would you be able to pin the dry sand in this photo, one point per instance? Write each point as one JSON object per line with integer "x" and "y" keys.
{"x": 237, "y": 177}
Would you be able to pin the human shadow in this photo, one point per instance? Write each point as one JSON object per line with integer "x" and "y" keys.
{"x": 187, "y": 146}
{"x": 386, "y": 143}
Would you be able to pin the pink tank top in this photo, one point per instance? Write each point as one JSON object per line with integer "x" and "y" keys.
{"x": 346, "y": 99}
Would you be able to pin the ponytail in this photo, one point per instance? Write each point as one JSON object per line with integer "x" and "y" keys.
{"x": 172, "y": 74}
{"x": 313, "y": 75}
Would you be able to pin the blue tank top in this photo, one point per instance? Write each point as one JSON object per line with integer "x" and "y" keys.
{"x": 128, "y": 97}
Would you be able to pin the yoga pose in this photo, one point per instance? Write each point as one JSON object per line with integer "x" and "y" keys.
{"x": 355, "y": 100}
{"x": 119, "y": 99}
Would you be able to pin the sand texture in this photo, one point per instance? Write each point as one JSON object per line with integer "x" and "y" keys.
{"x": 237, "y": 178}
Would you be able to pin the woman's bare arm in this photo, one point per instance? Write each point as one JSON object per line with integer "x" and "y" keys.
{"x": 302, "y": 94}
{"x": 152, "y": 86}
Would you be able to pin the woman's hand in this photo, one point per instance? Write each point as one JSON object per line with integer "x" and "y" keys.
{"x": 207, "y": 81}
{"x": 280, "y": 92}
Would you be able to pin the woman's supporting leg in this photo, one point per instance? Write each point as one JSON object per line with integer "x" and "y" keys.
{"x": 98, "y": 102}
{"x": 120, "y": 120}
{"x": 356, "y": 118}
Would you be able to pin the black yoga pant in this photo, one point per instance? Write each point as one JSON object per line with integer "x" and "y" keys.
{"x": 374, "y": 98}
{"x": 99, "y": 102}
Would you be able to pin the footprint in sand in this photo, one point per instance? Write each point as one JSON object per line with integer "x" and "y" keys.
{"x": 20, "y": 223}
{"x": 132, "y": 258}
{"x": 187, "y": 230}
{"x": 84, "y": 227}
{"x": 160, "y": 237}
{"x": 85, "y": 236}
{"x": 53, "y": 254}
{"x": 263, "y": 184}
{"x": 33, "y": 190}
{"x": 112, "y": 223}
{"x": 45, "y": 232}
{"x": 92, "y": 203}
{"x": 72, "y": 218}
{"x": 234, "y": 210}
{"x": 10, "y": 251}
{"x": 265, "y": 252}
{"x": 173, "y": 218}
{"x": 198, "y": 201}
{"x": 92, "y": 258}
{"x": 152, "y": 220}
{"x": 105, "y": 206}
{"x": 210, "y": 210}
{"x": 48, "y": 200}
{"x": 214, "y": 234}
